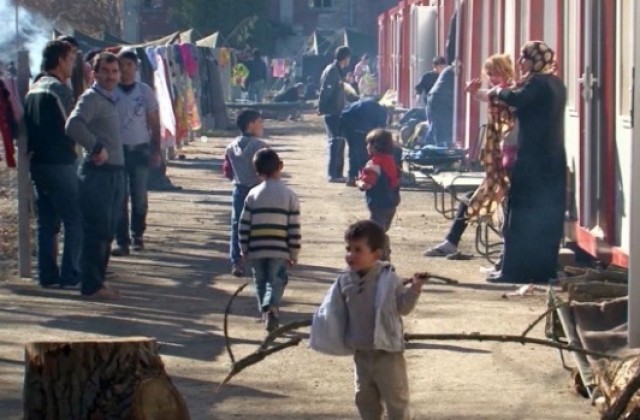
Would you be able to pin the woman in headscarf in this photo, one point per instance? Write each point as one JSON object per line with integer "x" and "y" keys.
{"x": 537, "y": 193}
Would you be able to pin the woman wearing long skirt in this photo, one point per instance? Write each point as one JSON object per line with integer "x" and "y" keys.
{"x": 537, "y": 194}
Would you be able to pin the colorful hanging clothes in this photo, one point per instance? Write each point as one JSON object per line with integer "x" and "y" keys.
{"x": 189, "y": 60}
{"x": 279, "y": 67}
{"x": 191, "y": 105}
{"x": 225, "y": 57}
{"x": 8, "y": 125}
{"x": 239, "y": 75}
{"x": 11, "y": 85}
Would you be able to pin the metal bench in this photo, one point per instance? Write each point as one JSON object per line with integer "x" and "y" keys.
{"x": 488, "y": 236}
{"x": 452, "y": 184}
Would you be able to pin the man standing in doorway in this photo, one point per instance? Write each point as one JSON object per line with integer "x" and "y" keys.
{"x": 53, "y": 167}
{"x": 140, "y": 133}
{"x": 94, "y": 124}
{"x": 331, "y": 105}
{"x": 429, "y": 78}
{"x": 440, "y": 109}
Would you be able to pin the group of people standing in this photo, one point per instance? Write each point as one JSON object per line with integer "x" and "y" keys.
{"x": 528, "y": 177}
{"x": 116, "y": 124}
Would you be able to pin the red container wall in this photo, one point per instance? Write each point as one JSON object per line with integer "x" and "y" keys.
{"x": 383, "y": 53}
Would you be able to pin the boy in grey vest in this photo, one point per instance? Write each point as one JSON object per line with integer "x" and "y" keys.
{"x": 238, "y": 167}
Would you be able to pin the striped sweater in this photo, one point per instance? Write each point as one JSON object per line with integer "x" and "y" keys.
{"x": 270, "y": 225}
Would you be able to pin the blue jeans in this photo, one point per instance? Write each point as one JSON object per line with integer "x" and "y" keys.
{"x": 57, "y": 201}
{"x": 238, "y": 196}
{"x": 137, "y": 176}
{"x": 270, "y": 278}
{"x": 358, "y": 154}
{"x": 256, "y": 90}
{"x": 441, "y": 131}
{"x": 335, "y": 167}
{"x": 101, "y": 194}
{"x": 384, "y": 218}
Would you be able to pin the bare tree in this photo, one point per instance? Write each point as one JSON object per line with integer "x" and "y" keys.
{"x": 88, "y": 16}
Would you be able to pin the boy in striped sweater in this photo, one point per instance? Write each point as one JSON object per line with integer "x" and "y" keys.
{"x": 270, "y": 234}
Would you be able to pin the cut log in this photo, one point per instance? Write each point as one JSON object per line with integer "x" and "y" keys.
{"x": 618, "y": 381}
{"x": 99, "y": 379}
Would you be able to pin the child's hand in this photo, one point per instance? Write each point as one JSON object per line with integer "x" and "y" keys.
{"x": 362, "y": 185}
{"x": 418, "y": 281}
{"x": 293, "y": 262}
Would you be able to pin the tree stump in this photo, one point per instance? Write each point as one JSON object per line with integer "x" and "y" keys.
{"x": 99, "y": 379}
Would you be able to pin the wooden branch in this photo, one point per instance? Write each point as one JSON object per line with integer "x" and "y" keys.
{"x": 507, "y": 339}
{"x": 430, "y": 276}
{"x": 256, "y": 357}
{"x": 617, "y": 409}
{"x": 543, "y": 316}
{"x": 283, "y": 329}
{"x": 227, "y": 311}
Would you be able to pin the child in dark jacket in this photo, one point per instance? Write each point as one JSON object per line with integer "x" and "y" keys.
{"x": 380, "y": 179}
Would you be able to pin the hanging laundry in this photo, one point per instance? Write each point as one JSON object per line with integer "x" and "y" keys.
{"x": 11, "y": 85}
{"x": 151, "y": 53}
{"x": 279, "y": 67}
{"x": 8, "y": 125}
{"x": 239, "y": 75}
{"x": 225, "y": 57}
{"x": 189, "y": 60}
{"x": 167, "y": 117}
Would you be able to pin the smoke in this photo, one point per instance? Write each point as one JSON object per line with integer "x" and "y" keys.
{"x": 34, "y": 31}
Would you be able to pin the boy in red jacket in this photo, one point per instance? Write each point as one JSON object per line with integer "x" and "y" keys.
{"x": 380, "y": 179}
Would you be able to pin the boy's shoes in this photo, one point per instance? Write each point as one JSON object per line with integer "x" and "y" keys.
{"x": 237, "y": 270}
{"x": 121, "y": 251}
{"x": 138, "y": 244}
{"x": 351, "y": 182}
{"x": 272, "y": 322}
{"x": 441, "y": 250}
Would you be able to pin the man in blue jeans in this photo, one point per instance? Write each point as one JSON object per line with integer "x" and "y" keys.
{"x": 53, "y": 167}
{"x": 140, "y": 132}
{"x": 238, "y": 167}
{"x": 330, "y": 105}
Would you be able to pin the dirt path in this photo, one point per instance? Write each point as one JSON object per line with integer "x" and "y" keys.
{"x": 176, "y": 291}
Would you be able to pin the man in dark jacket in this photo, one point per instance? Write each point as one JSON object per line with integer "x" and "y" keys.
{"x": 53, "y": 166}
{"x": 331, "y": 105}
{"x": 257, "y": 78}
{"x": 357, "y": 120}
{"x": 429, "y": 78}
{"x": 440, "y": 108}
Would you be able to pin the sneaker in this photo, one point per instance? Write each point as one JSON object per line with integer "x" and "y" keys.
{"x": 272, "y": 323}
{"x": 121, "y": 251}
{"x": 138, "y": 244}
{"x": 237, "y": 270}
{"x": 441, "y": 250}
{"x": 351, "y": 182}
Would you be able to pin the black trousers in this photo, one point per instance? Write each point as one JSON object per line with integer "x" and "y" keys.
{"x": 460, "y": 222}
{"x": 101, "y": 195}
